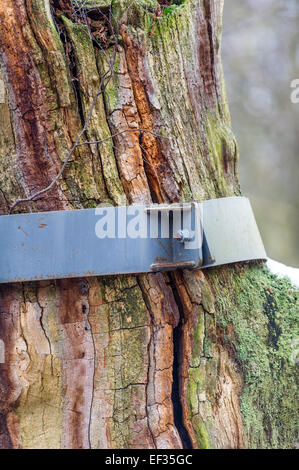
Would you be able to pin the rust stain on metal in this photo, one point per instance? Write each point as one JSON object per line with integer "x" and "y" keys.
{"x": 20, "y": 228}
{"x": 160, "y": 259}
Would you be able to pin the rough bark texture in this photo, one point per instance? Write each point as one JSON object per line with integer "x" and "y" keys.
{"x": 199, "y": 359}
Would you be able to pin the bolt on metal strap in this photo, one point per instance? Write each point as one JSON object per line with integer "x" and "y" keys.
{"x": 127, "y": 239}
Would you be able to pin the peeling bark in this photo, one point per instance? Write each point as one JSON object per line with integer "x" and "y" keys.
{"x": 186, "y": 359}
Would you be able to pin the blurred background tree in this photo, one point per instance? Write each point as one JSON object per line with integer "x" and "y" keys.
{"x": 261, "y": 57}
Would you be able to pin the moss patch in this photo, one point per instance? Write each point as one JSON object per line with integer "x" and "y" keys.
{"x": 264, "y": 312}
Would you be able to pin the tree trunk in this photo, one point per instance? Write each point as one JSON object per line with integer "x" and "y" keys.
{"x": 178, "y": 360}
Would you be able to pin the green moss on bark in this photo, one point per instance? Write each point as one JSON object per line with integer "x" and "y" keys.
{"x": 97, "y": 129}
{"x": 264, "y": 313}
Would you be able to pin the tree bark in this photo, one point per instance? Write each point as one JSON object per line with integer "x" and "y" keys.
{"x": 169, "y": 360}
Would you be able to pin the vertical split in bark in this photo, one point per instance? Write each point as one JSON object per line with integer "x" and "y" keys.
{"x": 178, "y": 397}
{"x": 161, "y": 181}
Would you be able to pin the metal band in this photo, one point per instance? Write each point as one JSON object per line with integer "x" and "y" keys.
{"x": 230, "y": 232}
{"x": 124, "y": 240}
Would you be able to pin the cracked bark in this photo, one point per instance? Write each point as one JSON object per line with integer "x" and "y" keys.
{"x": 90, "y": 362}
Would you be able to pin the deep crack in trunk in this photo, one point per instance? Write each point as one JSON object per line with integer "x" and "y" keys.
{"x": 175, "y": 395}
{"x": 177, "y": 377}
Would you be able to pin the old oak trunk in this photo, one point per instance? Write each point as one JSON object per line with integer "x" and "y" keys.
{"x": 187, "y": 359}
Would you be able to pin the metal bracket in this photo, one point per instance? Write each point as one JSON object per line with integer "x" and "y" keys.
{"x": 128, "y": 239}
